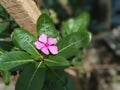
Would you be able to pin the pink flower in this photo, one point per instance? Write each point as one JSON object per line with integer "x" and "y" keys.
{"x": 47, "y": 45}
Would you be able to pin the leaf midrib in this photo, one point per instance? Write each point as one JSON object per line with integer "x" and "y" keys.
{"x": 52, "y": 61}
{"x": 44, "y": 25}
{"x": 18, "y": 61}
{"x": 33, "y": 75}
{"x": 69, "y": 46}
{"x": 33, "y": 48}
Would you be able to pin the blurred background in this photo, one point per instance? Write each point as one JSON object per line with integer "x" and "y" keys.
{"x": 98, "y": 67}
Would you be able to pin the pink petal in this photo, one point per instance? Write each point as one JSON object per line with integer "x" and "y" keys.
{"x": 45, "y": 50}
{"x": 52, "y": 41}
{"x": 39, "y": 45}
{"x": 53, "y": 49}
{"x": 43, "y": 38}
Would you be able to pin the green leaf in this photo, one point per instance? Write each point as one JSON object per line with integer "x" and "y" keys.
{"x": 5, "y": 34}
{"x": 81, "y": 22}
{"x": 13, "y": 59}
{"x": 6, "y": 45}
{"x": 6, "y": 77}
{"x": 59, "y": 80}
{"x": 65, "y": 82}
{"x": 68, "y": 25}
{"x": 32, "y": 78}
{"x": 3, "y": 26}
{"x": 3, "y": 12}
{"x": 63, "y": 33}
{"x": 25, "y": 40}
{"x": 77, "y": 60}
{"x": 69, "y": 46}
{"x": 78, "y": 24}
{"x": 1, "y": 51}
{"x": 46, "y": 26}
{"x": 56, "y": 61}
{"x": 44, "y": 11}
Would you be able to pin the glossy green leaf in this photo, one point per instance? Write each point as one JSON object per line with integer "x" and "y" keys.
{"x": 25, "y": 40}
{"x": 32, "y": 78}
{"x": 13, "y": 59}
{"x": 6, "y": 77}
{"x": 68, "y": 25}
{"x": 46, "y": 26}
{"x": 70, "y": 45}
{"x": 56, "y": 61}
{"x": 81, "y": 22}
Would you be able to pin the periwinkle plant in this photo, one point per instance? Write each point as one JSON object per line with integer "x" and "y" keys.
{"x": 44, "y": 59}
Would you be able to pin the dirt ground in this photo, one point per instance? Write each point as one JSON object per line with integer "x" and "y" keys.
{"x": 8, "y": 87}
{"x": 11, "y": 86}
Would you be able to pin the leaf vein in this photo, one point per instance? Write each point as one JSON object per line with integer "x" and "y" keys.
{"x": 18, "y": 61}
{"x": 33, "y": 75}
{"x": 69, "y": 46}
{"x": 52, "y": 61}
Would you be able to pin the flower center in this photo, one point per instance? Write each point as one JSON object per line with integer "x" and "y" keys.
{"x": 46, "y": 44}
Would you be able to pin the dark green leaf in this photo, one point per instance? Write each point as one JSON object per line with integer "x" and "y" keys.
{"x": 32, "y": 78}
{"x": 46, "y": 26}
{"x": 6, "y": 45}
{"x": 70, "y": 45}
{"x": 3, "y": 13}
{"x": 65, "y": 82}
{"x": 81, "y": 22}
{"x": 3, "y": 26}
{"x": 56, "y": 61}
{"x": 25, "y": 40}
{"x": 58, "y": 81}
{"x": 12, "y": 59}
{"x": 5, "y": 34}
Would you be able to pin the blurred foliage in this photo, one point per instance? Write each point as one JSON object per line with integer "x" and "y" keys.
{"x": 7, "y": 24}
{"x": 72, "y": 8}
{"x": 6, "y": 21}
{"x": 76, "y": 6}
{"x": 55, "y": 5}
{"x": 5, "y": 45}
